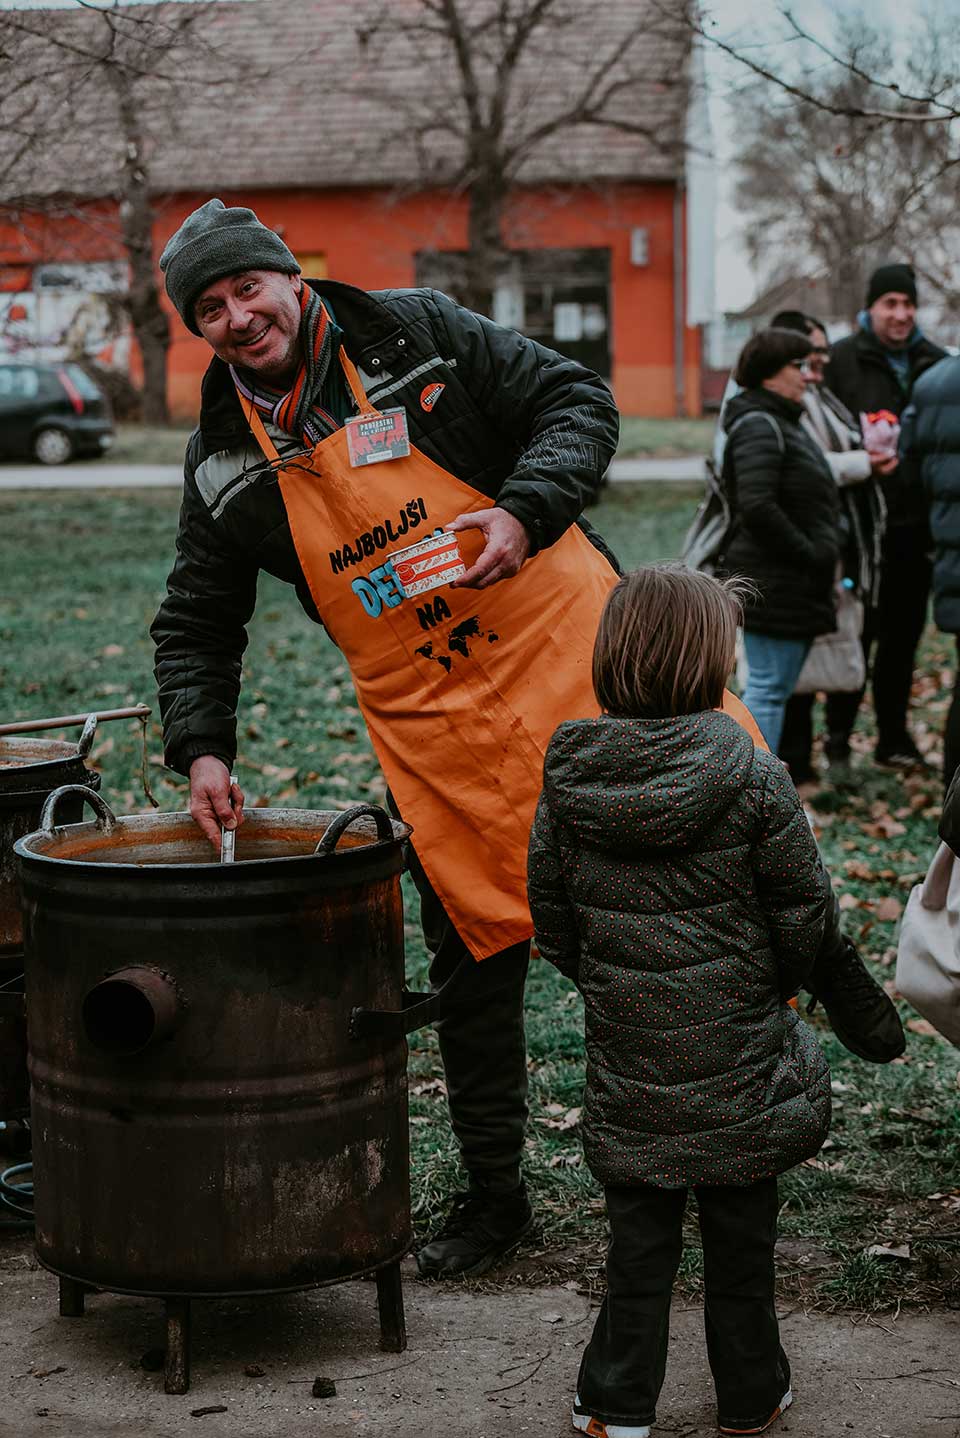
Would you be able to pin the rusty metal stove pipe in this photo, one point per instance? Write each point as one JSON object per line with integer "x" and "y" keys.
{"x": 129, "y": 1010}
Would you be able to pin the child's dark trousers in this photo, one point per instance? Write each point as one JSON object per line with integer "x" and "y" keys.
{"x": 623, "y": 1365}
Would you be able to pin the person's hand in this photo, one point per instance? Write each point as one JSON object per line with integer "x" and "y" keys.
{"x": 214, "y": 801}
{"x": 506, "y": 546}
{"x": 883, "y": 463}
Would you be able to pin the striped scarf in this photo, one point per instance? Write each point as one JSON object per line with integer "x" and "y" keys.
{"x": 299, "y": 411}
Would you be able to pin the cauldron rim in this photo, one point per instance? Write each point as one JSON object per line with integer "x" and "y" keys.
{"x": 52, "y": 751}
{"x": 29, "y": 849}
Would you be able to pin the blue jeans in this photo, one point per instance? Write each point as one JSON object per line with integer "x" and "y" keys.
{"x": 774, "y": 666}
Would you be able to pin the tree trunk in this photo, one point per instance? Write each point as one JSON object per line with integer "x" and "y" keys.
{"x": 485, "y": 253}
{"x": 147, "y": 316}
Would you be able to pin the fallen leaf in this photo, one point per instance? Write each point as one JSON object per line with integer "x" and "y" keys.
{"x": 551, "y": 1318}
{"x": 923, "y": 1026}
{"x": 886, "y": 827}
{"x": 281, "y": 773}
{"x": 889, "y": 909}
{"x": 899, "y": 1251}
{"x": 857, "y": 869}
{"x": 565, "y": 1121}
{"x": 111, "y": 651}
{"x": 850, "y": 901}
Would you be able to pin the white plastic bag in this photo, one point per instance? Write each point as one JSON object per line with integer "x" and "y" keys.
{"x": 928, "y": 955}
{"x": 835, "y": 664}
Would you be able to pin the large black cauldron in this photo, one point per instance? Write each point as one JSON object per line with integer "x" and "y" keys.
{"x": 204, "y": 1123}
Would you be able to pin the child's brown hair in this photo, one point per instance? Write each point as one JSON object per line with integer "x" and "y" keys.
{"x": 666, "y": 642}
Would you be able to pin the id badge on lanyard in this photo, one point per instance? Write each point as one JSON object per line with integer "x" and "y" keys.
{"x": 375, "y": 437}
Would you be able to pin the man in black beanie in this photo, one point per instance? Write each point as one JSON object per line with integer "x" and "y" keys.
{"x": 488, "y": 413}
{"x": 871, "y": 370}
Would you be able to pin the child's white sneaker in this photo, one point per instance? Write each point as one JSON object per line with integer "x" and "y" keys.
{"x": 583, "y": 1423}
{"x": 781, "y": 1407}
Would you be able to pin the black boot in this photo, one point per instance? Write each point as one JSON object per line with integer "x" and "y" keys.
{"x": 480, "y": 1228}
{"x": 860, "y": 1013}
{"x": 899, "y": 754}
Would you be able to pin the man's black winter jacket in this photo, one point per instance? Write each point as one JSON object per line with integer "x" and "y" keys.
{"x": 787, "y": 516}
{"x": 931, "y": 437}
{"x": 516, "y": 421}
{"x": 861, "y": 377}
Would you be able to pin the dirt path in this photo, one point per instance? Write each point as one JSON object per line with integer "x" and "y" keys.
{"x": 477, "y": 1364}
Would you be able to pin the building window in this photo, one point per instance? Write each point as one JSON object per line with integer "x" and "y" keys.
{"x": 313, "y": 266}
{"x": 560, "y": 298}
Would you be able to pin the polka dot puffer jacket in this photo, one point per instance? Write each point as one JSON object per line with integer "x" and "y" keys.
{"x": 673, "y": 877}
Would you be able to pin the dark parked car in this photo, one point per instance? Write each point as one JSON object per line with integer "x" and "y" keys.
{"x": 52, "y": 413}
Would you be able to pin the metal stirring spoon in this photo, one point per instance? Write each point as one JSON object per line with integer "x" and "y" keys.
{"x": 228, "y": 837}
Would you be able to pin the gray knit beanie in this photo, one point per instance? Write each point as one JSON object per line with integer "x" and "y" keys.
{"x": 215, "y": 241}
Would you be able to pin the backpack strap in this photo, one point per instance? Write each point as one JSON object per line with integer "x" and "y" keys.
{"x": 764, "y": 414}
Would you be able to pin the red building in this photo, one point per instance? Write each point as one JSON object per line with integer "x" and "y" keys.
{"x": 608, "y": 228}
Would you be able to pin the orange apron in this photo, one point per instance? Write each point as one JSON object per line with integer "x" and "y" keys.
{"x": 461, "y": 689}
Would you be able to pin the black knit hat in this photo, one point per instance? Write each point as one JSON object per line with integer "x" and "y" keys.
{"x": 215, "y": 241}
{"x": 892, "y": 279}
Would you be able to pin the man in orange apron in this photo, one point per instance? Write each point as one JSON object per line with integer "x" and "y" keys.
{"x": 474, "y": 430}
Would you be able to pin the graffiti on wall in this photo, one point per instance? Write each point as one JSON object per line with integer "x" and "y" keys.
{"x": 67, "y": 312}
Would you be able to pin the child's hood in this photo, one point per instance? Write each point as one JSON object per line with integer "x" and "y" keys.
{"x": 634, "y": 784}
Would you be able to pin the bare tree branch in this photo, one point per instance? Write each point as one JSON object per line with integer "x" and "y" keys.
{"x": 807, "y": 94}
{"x": 848, "y": 63}
{"x": 103, "y": 82}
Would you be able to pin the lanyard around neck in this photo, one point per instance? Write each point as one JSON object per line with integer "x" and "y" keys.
{"x": 259, "y": 428}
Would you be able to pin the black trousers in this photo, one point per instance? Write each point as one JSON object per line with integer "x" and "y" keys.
{"x": 623, "y": 1365}
{"x": 482, "y": 1044}
{"x": 951, "y": 739}
{"x": 891, "y": 633}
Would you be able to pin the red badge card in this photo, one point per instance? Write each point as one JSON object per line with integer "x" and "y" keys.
{"x": 373, "y": 437}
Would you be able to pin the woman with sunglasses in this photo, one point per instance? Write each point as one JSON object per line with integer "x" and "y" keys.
{"x": 856, "y": 473}
{"x": 787, "y": 536}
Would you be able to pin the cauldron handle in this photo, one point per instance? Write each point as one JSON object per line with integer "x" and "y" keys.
{"x": 331, "y": 838}
{"x": 85, "y": 742}
{"x": 106, "y": 818}
{"x": 418, "y": 1009}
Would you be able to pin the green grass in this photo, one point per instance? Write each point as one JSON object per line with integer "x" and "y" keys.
{"x": 664, "y": 438}
{"x": 83, "y": 574}
{"x": 149, "y": 444}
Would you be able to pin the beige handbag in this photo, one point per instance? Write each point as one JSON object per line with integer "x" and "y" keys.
{"x": 928, "y": 956}
{"x": 835, "y": 663}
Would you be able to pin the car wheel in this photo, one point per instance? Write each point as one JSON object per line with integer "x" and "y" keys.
{"x": 52, "y": 445}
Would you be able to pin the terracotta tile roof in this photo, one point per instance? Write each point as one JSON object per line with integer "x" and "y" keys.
{"x": 305, "y": 93}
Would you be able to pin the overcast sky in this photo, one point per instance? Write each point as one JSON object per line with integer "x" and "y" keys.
{"x": 742, "y": 22}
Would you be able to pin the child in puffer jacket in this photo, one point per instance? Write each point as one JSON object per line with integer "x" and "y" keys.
{"x": 673, "y": 877}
